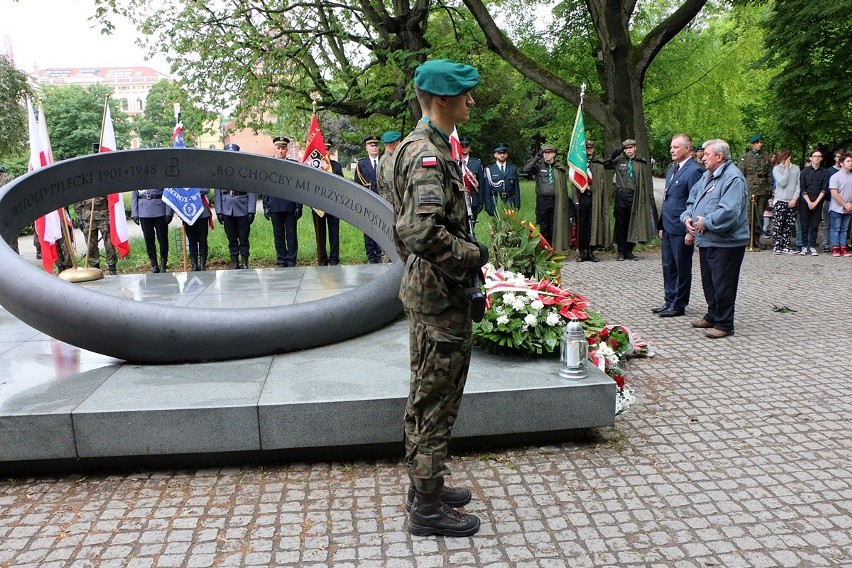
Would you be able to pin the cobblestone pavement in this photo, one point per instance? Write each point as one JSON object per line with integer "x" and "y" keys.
{"x": 738, "y": 454}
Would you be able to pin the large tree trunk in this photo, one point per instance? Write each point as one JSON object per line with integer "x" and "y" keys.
{"x": 621, "y": 68}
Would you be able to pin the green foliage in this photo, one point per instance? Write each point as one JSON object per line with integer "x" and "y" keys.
{"x": 156, "y": 125}
{"x": 707, "y": 83}
{"x": 13, "y": 114}
{"x": 74, "y": 118}
{"x": 809, "y": 43}
{"x": 517, "y": 247}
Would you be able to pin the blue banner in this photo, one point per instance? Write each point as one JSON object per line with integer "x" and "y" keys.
{"x": 185, "y": 201}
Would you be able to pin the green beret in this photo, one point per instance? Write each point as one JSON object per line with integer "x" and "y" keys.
{"x": 390, "y": 137}
{"x": 445, "y": 78}
{"x": 755, "y": 138}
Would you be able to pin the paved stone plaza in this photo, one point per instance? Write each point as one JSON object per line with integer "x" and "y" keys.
{"x": 737, "y": 455}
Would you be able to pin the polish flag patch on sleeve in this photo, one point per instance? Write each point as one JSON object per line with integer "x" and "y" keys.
{"x": 430, "y": 161}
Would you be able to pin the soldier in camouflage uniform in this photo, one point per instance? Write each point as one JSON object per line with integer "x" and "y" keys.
{"x": 757, "y": 170}
{"x": 99, "y": 222}
{"x": 384, "y": 175}
{"x": 430, "y": 235}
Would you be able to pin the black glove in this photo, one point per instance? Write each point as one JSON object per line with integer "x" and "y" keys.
{"x": 136, "y": 220}
{"x": 169, "y": 219}
{"x": 483, "y": 254}
{"x": 298, "y": 213}
{"x": 251, "y": 218}
{"x": 221, "y": 217}
{"x": 266, "y": 214}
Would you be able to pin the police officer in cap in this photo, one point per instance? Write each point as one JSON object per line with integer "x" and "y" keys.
{"x": 474, "y": 165}
{"x": 501, "y": 181}
{"x": 148, "y": 210}
{"x": 284, "y": 215}
{"x": 430, "y": 235}
{"x": 235, "y": 210}
{"x": 365, "y": 174}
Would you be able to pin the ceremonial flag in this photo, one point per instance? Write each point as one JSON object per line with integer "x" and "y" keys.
{"x": 48, "y": 228}
{"x": 470, "y": 182}
{"x": 316, "y": 154}
{"x": 118, "y": 233}
{"x": 578, "y": 162}
{"x": 187, "y": 202}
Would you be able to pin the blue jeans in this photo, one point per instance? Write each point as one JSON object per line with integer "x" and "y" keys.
{"x": 839, "y": 227}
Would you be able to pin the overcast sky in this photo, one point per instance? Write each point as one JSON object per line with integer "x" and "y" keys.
{"x": 56, "y": 33}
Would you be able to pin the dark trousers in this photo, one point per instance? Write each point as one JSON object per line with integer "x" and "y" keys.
{"x": 327, "y": 225}
{"x": 720, "y": 276}
{"x": 760, "y": 202}
{"x": 155, "y": 227}
{"x": 677, "y": 270}
{"x": 584, "y": 220}
{"x": 196, "y": 235}
{"x": 374, "y": 251}
{"x": 545, "y": 207}
{"x": 809, "y": 220}
{"x": 286, "y": 237}
{"x": 623, "y": 206}
{"x": 237, "y": 231}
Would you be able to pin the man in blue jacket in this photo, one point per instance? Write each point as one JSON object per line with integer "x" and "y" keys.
{"x": 681, "y": 176}
{"x": 501, "y": 182}
{"x": 235, "y": 210}
{"x": 365, "y": 174}
{"x": 716, "y": 216}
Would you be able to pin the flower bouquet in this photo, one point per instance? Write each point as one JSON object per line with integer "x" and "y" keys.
{"x": 609, "y": 347}
{"x": 519, "y": 247}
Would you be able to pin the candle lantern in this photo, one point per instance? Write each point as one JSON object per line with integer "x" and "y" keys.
{"x": 573, "y": 351}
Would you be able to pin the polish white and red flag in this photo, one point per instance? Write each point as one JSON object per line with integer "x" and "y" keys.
{"x": 469, "y": 179}
{"x": 118, "y": 233}
{"x": 48, "y": 228}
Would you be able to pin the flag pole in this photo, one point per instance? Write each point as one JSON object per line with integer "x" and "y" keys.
{"x": 183, "y": 240}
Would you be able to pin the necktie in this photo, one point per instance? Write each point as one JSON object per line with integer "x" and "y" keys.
{"x": 374, "y": 164}
{"x": 676, "y": 170}
{"x": 630, "y": 169}
{"x": 549, "y": 174}
{"x": 502, "y": 170}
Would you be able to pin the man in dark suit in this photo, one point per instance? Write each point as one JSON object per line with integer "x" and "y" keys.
{"x": 477, "y": 200}
{"x": 365, "y": 174}
{"x": 677, "y": 245}
{"x": 327, "y": 224}
{"x": 501, "y": 181}
{"x": 284, "y": 215}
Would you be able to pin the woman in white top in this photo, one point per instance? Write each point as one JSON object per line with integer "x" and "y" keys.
{"x": 786, "y": 176}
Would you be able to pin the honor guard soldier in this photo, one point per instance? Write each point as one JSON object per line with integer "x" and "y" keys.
{"x": 554, "y": 202}
{"x": 235, "y": 210}
{"x": 365, "y": 174}
{"x": 149, "y": 212}
{"x": 634, "y": 211}
{"x": 327, "y": 225}
{"x": 430, "y": 233}
{"x": 755, "y": 166}
{"x": 501, "y": 182}
{"x": 284, "y": 215}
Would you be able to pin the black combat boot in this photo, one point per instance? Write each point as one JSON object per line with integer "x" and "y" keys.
{"x": 203, "y": 266}
{"x": 193, "y": 263}
{"x": 163, "y": 261}
{"x": 431, "y": 516}
{"x": 155, "y": 268}
{"x": 245, "y": 262}
{"x": 111, "y": 269}
{"x": 582, "y": 256}
{"x": 590, "y": 256}
{"x": 453, "y": 496}
{"x": 235, "y": 261}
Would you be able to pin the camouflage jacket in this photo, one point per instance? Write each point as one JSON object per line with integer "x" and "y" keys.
{"x": 83, "y": 209}
{"x": 431, "y": 223}
{"x": 384, "y": 177}
{"x": 757, "y": 171}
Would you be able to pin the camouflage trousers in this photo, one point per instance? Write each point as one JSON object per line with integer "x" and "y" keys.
{"x": 440, "y": 356}
{"x": 99, "y": 225}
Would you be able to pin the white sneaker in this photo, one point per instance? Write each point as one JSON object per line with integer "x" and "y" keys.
{"x": 803, "y": 251}
{"x": 814, "y": 252}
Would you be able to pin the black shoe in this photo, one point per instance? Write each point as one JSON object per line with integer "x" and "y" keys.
{"x": 453, "y": 496}
{"x": 590, "y": 256}
{"x": 662, "y": 308}
{"x": 619, "y": 257}
{"x": 111, "y": 269}
{"x": 582, "y": 257}
{"x": 671, "y": 313}
{"x": 440, "y": 519}
{"x": 630, "y": 256}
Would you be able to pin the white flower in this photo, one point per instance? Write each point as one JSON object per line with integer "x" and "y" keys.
{"x": 530, "y": 320}
{"x": 509, "y": 297}
{"x": 552, "y": 319}
{"x": 499, "y": 309}
{"x": 518, "y": 304}
{"x": 532, "y": 294}
{"x": 502, "y": 320}
{"x": 537, "y": 305}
